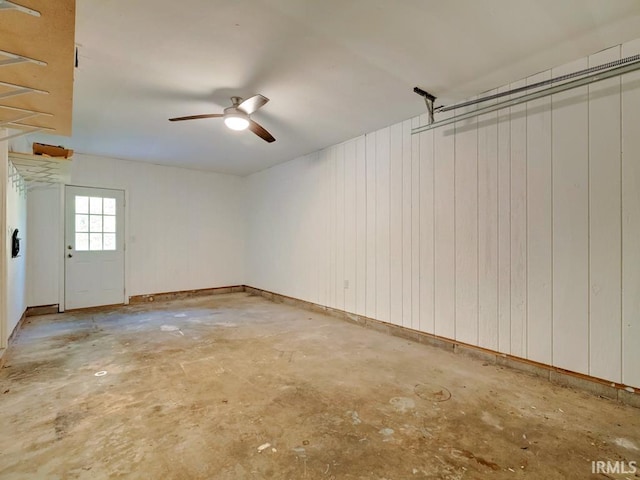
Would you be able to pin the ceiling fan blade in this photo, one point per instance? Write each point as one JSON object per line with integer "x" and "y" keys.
{"x": 252, "y": 104}
{"x": 196, "y": 117}
{"x": 260, "y": 131}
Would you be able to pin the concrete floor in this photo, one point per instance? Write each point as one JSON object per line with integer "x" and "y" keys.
{"x": 197, "y": 389}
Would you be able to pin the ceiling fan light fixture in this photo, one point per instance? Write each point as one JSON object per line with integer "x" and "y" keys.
{"x": 237, "y": 116}
{"x": 236, "y": 121}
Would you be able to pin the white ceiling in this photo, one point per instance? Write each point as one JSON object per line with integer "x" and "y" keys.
{"x": 333, "y": 69}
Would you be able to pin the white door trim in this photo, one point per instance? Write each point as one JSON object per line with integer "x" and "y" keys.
{"x": 126, "y": 250}
{"x": 61, "y": 223}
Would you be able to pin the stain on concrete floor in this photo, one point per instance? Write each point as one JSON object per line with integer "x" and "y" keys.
{"x": 195, "y": 389}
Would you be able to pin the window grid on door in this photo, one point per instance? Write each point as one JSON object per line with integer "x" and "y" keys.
{"x": 95, "y": 223}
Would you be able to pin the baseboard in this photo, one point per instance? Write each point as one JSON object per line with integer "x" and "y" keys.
{"x": 43, "y": 310}
{"x": 596, "y": 386}
{"x": 17, "y": 327}
{"x": 12, "y": 337}
{"x": 165, "y": 296}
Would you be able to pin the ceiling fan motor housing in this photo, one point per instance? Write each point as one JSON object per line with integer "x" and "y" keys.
{"x": 235, "y": 118}
{"x": 236, "y": 112}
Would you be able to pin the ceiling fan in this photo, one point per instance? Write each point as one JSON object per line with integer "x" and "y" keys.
{"x": 238, "y": 116}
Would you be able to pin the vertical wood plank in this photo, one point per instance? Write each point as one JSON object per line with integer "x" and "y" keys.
{"x": 605, "y": 227}
{"x": 312, "y": 249}
{"x": 383, "y": 259}
{"x": 361, "y": 226}
{"x": 416, "y": 294}
{"x": 519, "y": 228}
{"x": 570, "y": 226}
{"x": 427, "y": 232}
{"x": 333, "y": 205}
{"x": 504, "y": 229}
{"x": 313, "y": 227}
{"x": 395, "y": 233}
{"x": 444, "y": 153}
{"x": 466, "y": 230}
{"x": 372, "y": 227}
{"x": 631, "y": 221}
{"x": 407, "y": 213}
{"x": 323, "y": 261}
{"x": 488, "y": 230}
{"x": 340, "y": 226}
{"x": 350, "y": 226}
{"x": 539, "y": 237}
{"x": 411, "y": 145}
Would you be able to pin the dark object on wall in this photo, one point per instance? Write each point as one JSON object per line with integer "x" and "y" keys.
{"x": 428, "y": 100}
{"x": 15, "y": 244}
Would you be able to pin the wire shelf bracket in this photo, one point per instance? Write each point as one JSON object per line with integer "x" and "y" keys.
{"x": 8, "y": 5}
{"x": 15, "y": 58}
{"x": 19, "y": 90}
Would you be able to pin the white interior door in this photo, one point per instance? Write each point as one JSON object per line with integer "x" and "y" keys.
{"x": 94, "y": 247}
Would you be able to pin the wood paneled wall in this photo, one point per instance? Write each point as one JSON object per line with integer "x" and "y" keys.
{"x": 517, "y": 231}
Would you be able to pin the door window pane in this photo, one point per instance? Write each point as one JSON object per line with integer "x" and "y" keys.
{"x": 109, "y": 241}
{"x": 82, "y": 223}
{"x": 109, "y": 206}
{"x": 95, "y": 241}
{"x": 82, "y": 242}
{"x": 95, "y": 223}
{"x": 82, "y": 204}
{"x": 95, "y": 205}
{"x": 109, "y": 224}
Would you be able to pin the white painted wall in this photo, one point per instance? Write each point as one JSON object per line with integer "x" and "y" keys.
{"x": 185, "y": 228}
{"x": 14, "y": 207}
{"x": 44, "y": 244}
{"x": 4, "y": 167}
{"x": 16, "y": 267}
{"x": 515, "y": 231}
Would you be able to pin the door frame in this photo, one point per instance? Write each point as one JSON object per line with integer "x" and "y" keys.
{"x": 61, "y": 241}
